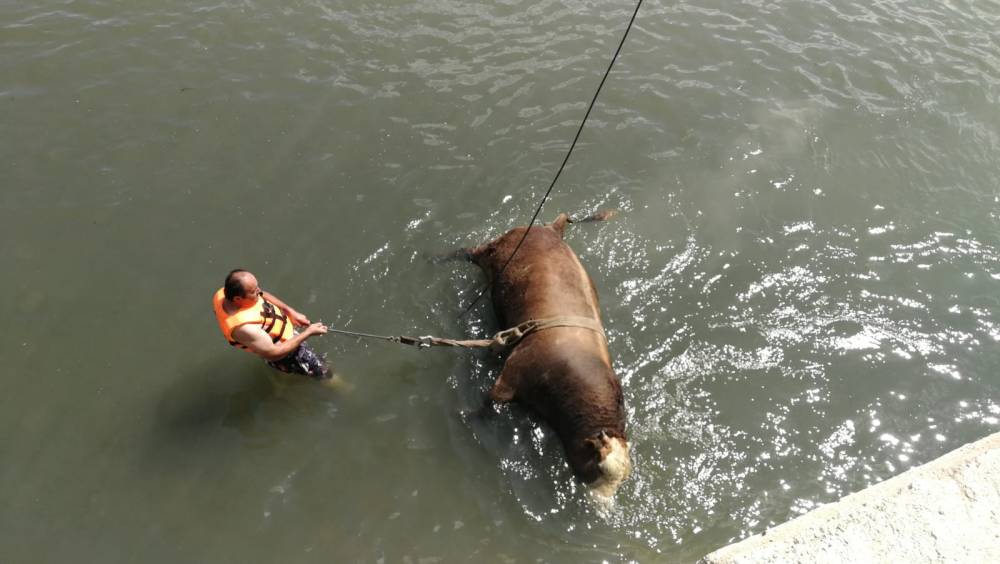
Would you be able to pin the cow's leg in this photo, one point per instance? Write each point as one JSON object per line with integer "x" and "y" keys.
{"x": 466, "y": 254}
{"x": 503, "y": 388}
{"x": 500, "y": 393}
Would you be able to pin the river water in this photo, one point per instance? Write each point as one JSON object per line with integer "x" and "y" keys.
{"x": 801, "y": 292}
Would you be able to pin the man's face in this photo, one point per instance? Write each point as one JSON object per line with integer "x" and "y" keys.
{"x": 251, "y": 289}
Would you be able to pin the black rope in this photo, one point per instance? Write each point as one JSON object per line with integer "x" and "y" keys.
{"x": 565, "y": 160}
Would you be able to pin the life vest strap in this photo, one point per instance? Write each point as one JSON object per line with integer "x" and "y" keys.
{"x": 271, "y": 317}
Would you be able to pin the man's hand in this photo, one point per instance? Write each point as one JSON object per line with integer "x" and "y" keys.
{"x": 315, "y": 329}
{"x": 297, "y": 318}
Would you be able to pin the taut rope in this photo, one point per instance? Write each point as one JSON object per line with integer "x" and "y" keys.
{"x": 506, "y": 339}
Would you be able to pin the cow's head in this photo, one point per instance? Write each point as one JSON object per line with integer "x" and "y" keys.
{"x": 602, "y": 462}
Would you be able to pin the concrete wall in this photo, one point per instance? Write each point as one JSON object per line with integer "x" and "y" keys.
{"x": 947, "y": 510}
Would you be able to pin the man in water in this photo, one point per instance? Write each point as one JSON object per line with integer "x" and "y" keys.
{"x": 258, "y": 322}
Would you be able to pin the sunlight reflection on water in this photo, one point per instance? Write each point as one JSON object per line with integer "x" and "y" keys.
{"x": 757, "y": 393}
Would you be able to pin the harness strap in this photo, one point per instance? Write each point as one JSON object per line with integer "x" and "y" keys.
{"x": 271, "y": 317}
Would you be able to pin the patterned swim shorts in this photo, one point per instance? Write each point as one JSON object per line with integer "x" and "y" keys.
{"x": 305, "y": 361}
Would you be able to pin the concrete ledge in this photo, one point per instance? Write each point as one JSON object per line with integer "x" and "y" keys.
{"x": 947, "y": 510}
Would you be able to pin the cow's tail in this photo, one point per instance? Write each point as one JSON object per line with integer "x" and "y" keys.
{"x": 563, "y": 219}
{"x": 615, "y": 467}
{"x": 602, "y": 215}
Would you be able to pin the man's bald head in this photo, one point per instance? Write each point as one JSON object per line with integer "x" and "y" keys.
{"x": 238, "y": 283}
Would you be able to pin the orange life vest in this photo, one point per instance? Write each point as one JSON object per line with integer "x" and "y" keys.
{"x": 262, "y": 312}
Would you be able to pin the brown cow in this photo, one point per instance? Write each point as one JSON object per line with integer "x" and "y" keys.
{"x": 561, "y": 373}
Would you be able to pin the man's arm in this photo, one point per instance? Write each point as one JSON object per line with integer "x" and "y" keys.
{"x": 259, "y": 342}
{"x": 297, "y": 318}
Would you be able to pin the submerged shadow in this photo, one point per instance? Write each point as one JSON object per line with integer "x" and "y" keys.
{"x": 196, "y": 415}
{"x": 212, "y": 412}
{"x": 217, "y": 393}
{"x": 226, "y": 393}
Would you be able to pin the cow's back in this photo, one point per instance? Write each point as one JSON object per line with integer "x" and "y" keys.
{"x": 545, "y": 279}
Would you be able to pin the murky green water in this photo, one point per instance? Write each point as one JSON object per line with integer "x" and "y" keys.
{"x": 801, "y": 293}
